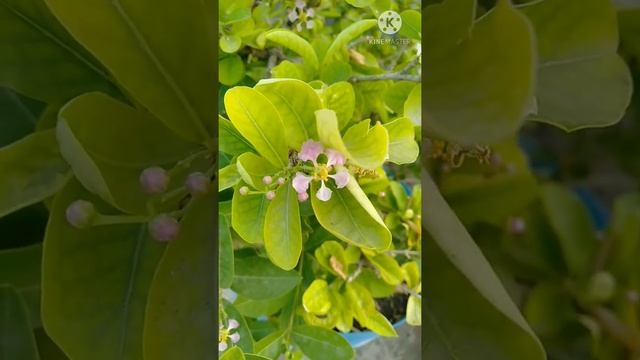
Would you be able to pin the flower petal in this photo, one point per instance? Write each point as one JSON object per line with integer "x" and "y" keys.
{"x": 233, "y": 324}
{"x": 310, "y": 150}
{"x": 334, "y": 157}
{"x": 341, "y": 178}
{"x": 293, "y": 15}
{"x": 310, "y": 13}
{"x": 301, "y": 182}
{"x": 222, "y": 346}
{"x": 324, "y": 193}
{"x": 309, "y": 24}
{"x": 303, "y": 196}
{"x": 234, "y": 337}
{"x": 300, "y": 4}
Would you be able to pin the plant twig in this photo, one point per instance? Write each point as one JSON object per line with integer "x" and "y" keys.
{"x": 398, "y": 75}
{"x": 407, "y": 253}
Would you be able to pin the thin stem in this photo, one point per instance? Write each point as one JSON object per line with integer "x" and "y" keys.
{"x": 292, "y": 317}
{"x": 119, "y": 219}
{"x": 389, "y": 76}
{"x": 407, "y": 253}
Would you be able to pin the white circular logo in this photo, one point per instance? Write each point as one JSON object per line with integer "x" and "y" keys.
{"x": 389, "y": 22}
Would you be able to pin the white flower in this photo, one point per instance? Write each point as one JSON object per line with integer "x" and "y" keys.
{"x": 226, "y": 334}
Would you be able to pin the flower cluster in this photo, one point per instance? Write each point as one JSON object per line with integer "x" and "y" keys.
{"x": 300, "y": 15}
{"x": 311, "y": 151}
{"x": 226, "y": 334}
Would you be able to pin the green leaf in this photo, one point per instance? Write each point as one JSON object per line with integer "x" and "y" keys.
{"x": 231, "y": 69}
{"x": 316, "y": 298}
{"x": 328, "y": 250}
{"x": 16, "y": 338}
{"x": 337, "y": 71}
{"x": 570, "y": 220}
{"x": 21, "y": 268}
{"x": 233, "y": 354}
{"x": 376, "y": 286}
{"x": 20, "y": 116}
{"x": 403, "y": 148}
{"x": 341, "y": 98}
{"x": 495, "y": 99}
{"x": 257, "y": 278}
{"x": 360, "y": 3}
{"x": 253, "y": 168}
{"x": 169, "y": 72}
{"x": 414, "y": 311}
{"x": 549, "y": 309}
{"x": 380, "y": 325}
{"x": 411, "y": 271}
{"x": 318, "y": 343}
{"x": 388, "y": 268}
{"x": 255, "y": 117}
{"x": 296, "y": 112}
{"x": 413, "y": 105}
{"x": 289, "y": 70}
{"x": 228, "y": 177}
{"x": 459, "y": 277}
{"x": 576, "y": 51}
{"x": 282, "y": 228}
{"x": 366, "y": 147}
{"x": 257, "y": 308}
{"x": 225, "y": 253}
{"x": 230, "y": 43}
{"x": 396, "y": 96}
{"x": 411, "y": 24}
{"x": 255, "y": 357}
{"x": 95, "y": 282}
{"x": 89, "y": 127}
{"x": 248, "y": 215}
{"x": 246, "y": 339}
{"x": 269, "y": 346}
{"x": 230, "y": 141}
{"x": 295, "y": 43}
{"x": 625, "y": 226}
{"x": 336, "y": 51}
{"x": 40, "y": 59}
{"x": 32, "y": 169}
{"x": 350, "y": 216}
{"x": 181, "y": 305}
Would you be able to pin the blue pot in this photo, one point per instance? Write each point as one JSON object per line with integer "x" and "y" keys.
{"x": 359, "y": 339}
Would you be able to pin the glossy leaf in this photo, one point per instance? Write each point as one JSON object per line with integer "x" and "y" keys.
{"x": 495, "y": 99}
{"x": 403, "y": 148}
{"x": 573, "y": 226}
{"x": 341, "y": 98}
{"x": 253, "y": 168}
{"x": 233, "y": 353}
{"x": 388, "y": 268}
{"x": 32, "y": 169}
{"x": 40, "y": 59}
{"x": 336, "y": 50}
{"x": 458, "y": 276}
{"x": 255, "y": 117}
{"x": 248, "y": 214}
{"x": 16, "y": 337}
{"x": 282, "y": 228}
{"x": 414, "y": 311}
{"x": 169, "y": 72}
{"x": 366, "y": 146}
{"x": 350, "y": 216}
{"x": 316, "y": 298}
{"x": 396, "y": 96}
{"x": 380, "y": 325}
{"x": 318, "y": 343}
{"x": 270, "y": 345}
{"x": 229, "y": 139}
{"x": 413, "y": 105}
{"x": 181, "y": 303}
{"x": 296, "y": 112}
{"x": 577, "y": 50}
{"x": 294, "y": 42}
{"x": 21, "y": 268}
{"x": 231, "y": 69}
{"x": 228, "y": 177}
{"x": 96, "y": 312}
{"x": 225, "y": 253}
{"x": 257, "y": 308}
{"x": 376, "y": 286}
{"x": 257, "y": 278}
{"x": 89, "y": 127}
{"x": 411, "y": 24}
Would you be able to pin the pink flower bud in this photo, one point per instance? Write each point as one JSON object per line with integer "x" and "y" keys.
{"x": 154, "y": 180}
{"x": 164, "y": 228}
{"x": 267, "y": 180}
{"x": 198, "y": 183}
{"x": 244, "y": 190}
{"x": 270, "y": 195}
{"x": 303, "y": 196}
{"x": 80, "y": 214}
{"x": 281, "y": 181}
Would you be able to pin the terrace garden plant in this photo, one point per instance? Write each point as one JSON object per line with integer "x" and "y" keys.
{"x": 324, "y": 150}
